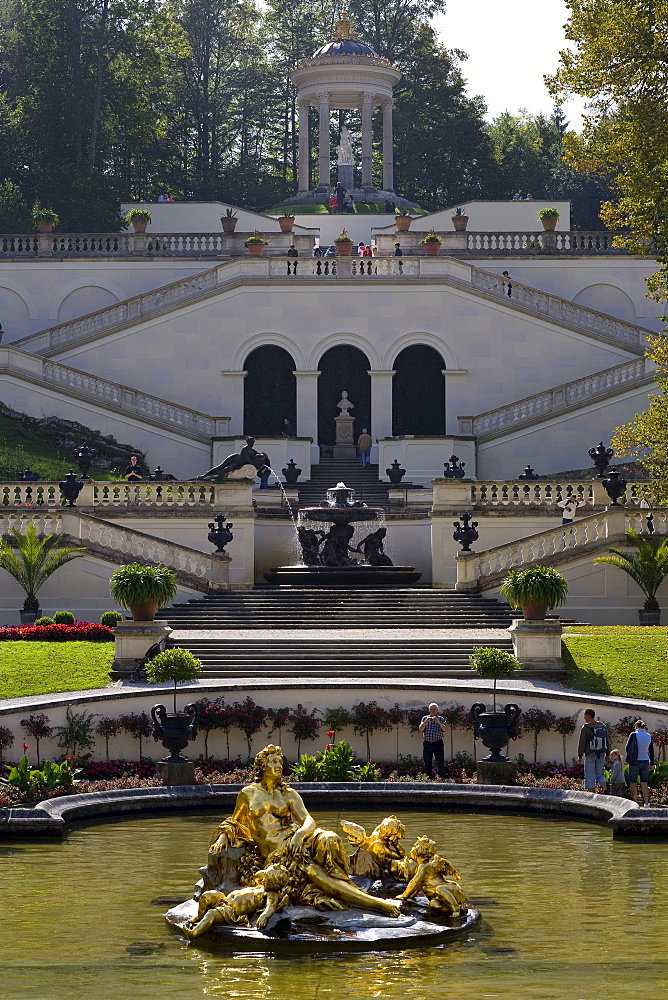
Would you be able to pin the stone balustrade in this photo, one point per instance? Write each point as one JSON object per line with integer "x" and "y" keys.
{"x": 577, "y": 243}
{"x": 118, "y": 496}
{"x": 619, "y": 378}
{"x": 345, "y": 267}
{"x": 133, "y": 244}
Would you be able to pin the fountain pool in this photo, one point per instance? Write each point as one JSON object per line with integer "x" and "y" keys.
{"x": 568, "y": 913}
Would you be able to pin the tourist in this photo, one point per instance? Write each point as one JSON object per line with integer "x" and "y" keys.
{"x": 340, "y": 193}
{"x": 398, "y": 252}
{"x": 333, "y": 204}
{"x": 616, "y": 774}
{"x": 529, "y": 197}
{"x": 134, "y": 473}
{"x": 350, "y": 205}
{"x": 170, "y": 198}
{"x": 593, "y": 747}
{"x": 510, "y": 284}
{"x": 639, "y": 757}
{"x": 162, "y": 198}
{"x": 317, "y": 252}
{"x": 2, "y": 332}
{"x": 367, "y": 252}
{"x": 360, "y": 249}
{"x": 331, "y": 251}
{"x": 569, "y": 508}
{"x": 292, "y": 251}
{"x": 517, "y": 196}
{"x": 264, "y": 472}
{"x": 364, "y": 444}
{"x": 389, "y": 206}
{"x": 433, "y": 727}
{"x": 287, "y": 429}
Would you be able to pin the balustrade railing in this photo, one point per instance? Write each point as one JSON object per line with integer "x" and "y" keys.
{"x": 534, "y": 241}
{"x": 529, "y": 494}
{"x": 113, "y": 495}
{"x": 344, "y": 267}
{"x": 542, "y": 404}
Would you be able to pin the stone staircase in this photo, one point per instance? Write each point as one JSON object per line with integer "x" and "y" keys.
{"x": 358, "y": 626}
{"x": 331, "y": 471}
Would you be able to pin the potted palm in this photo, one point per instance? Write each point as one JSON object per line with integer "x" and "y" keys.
{"x": 432, "y": 243}
{"x": 403, "y": 220}
{"x": 286, "y": 222}
{"x": 229, "y": 220}
{"x": 44, "y": 219}
{"x": 534, "y": 590}
{"x": 494, "y": 728}
{"x": 648, "y": 568}
{"x": 143, "y": 589}
{"x": 460, "y": 220}
{"x": 139, "y": 219}
{"x": 344, "y": 244}
{"x": 549, "y": 217}
{"x": 255, "y": 244}
{"x": 31, "y": 559}
{"x": 174, "y": 729}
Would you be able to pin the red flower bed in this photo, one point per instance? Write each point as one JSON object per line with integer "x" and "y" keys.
{"x": 82, "y": 631}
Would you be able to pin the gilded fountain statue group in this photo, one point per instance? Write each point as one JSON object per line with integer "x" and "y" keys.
{"x": 271, "y": 866}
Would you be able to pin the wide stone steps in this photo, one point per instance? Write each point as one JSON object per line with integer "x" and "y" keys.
{"x": 330, "y": 472}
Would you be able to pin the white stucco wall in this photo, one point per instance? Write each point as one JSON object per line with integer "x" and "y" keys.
{"x": 495, "y": 217}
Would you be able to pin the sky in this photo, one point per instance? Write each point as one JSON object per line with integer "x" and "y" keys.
{"x": 511, "y": 45}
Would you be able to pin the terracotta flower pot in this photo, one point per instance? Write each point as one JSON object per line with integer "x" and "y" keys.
{"x": 286, "y": 223}
{"x": 460, "y": 222}
{"x": 550, "y": 223}
{"x": 255, "y": 249}
{"x": 344, "y": 249}
{"x": 534, "y": 612}
{"x": 403, "y": 223}
{"x": 44, "y": 226}
{"x": 144, "y": 612}
{"x": 229, "y": 224}
{"x": 432, "y": 249}
{"x": 139, "y": 225}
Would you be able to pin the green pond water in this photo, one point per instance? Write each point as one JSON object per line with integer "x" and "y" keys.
{"x": 568, "y": 914}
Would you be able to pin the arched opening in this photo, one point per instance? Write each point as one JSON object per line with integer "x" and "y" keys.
{"x": 270, "y": 393}
{"x": 343, "y": 367}
{"x": 418, "y": 392}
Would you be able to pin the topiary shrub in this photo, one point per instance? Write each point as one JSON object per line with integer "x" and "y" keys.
{"x": 44, "y": 620}
{"x": 63, "y": 618}
{"x": 111, "y": 618}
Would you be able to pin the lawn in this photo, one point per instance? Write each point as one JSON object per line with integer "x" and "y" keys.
{"x": 618, "y": 659}
{"x": 28, "y": 668}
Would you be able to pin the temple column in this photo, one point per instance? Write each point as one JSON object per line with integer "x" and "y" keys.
{"x": 388, "y": 148}
{"x": 303, "y": 167}
{"x": 324, "y": 157}
{"x": 307, "y": 409}
{"x": 381, "y": 408}
{"x": 367, "y": 139}
{"x": 233, "y": 401}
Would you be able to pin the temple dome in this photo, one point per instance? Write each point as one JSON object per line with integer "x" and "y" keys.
{"x": 345, "y": 47}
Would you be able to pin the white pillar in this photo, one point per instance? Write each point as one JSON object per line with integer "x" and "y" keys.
{"x": 388, "y": 148}
{"x": 307, "y": 409}
{"x": 324, "y": 159}
{"x": 381, "y": 408}
{"x": 233, "y": 400}
{"x": 303, "y": 168}
{"x": 367, "y": 139}
{"x": 457, "y": 402}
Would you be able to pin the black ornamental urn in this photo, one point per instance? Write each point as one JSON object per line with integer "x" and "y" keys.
{"x": 453, "y": 468}
{"x": 528, "y": 474}
{"x": 600, "y": 456}
{"x": 174, "y": 730}
{"x": 291, "y": 473}
{"x": 395, "y": 473}
{"x": 84, "y": 456}
{"x": 495, "y": 729}
{"x": 465, "y": 533}
{"x": 220, "y": 533}
{"x": 70, "y": 487}
{"x": 614, "y": 485}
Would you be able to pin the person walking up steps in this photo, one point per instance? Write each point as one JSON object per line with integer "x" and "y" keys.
{"x": 364, "y": 444}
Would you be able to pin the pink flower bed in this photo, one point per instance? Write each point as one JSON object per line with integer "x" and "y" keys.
{"x": 82, "y": 631}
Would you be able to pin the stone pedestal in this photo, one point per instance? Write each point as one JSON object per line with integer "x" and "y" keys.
{"x": 537, "y": 644}
{"x": 219, "y": 576}
{"x": 180, "y": 772}
{"x": 344, "y": 173}
{"x": 492, "y": 772}
{"x": 345, "y": 440}
{"x": 132, "y": 641}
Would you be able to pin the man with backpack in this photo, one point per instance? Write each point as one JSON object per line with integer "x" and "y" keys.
{"x": 593, "y": 746}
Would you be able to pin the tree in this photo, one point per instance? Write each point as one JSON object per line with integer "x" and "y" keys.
{"x": 278, "y": 717}
{"x": 304, "y": 726}
{"x": 648, "y": 568}
{"x": 335, "y": 720}
{"x": 565, "y": 726}
{"x": 38, "y": 727}
{"x": 32, "y": 559}
{"x": 249, "y": 718}
{"x": 367, "y": 717}
{"x": 456, "y": 717}
{"x": 537, "y": 720}
{"x": 208, "y": 718}
{"x": 108, "y": 728}
{"x": 6, "y": 740}
{"x": 77, "y": 733}
{"x": 396, "y": 716}
{"x": 138, "y": 725}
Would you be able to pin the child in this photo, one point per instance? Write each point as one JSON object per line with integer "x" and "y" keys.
{"x": 616, "y": 774}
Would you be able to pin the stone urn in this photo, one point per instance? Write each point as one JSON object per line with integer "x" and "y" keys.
{"x": 286, "y": 222}
{"x": 291, "y": 472}
{"x": 174, "y": 730}
{"x": 495, "y": 729}
{"x": 460, "y": 222}
{"x": 395, "y": 473}
{"x": 403, "y": 223}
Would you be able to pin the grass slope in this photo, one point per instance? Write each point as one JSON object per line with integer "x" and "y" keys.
{"x": 622, "y": 660}
{"x": 22, "y": 445}
{"x": 28, "y": 668}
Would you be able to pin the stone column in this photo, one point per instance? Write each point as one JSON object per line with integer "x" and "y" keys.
{"x": 388, "y": 148}
{"x": 303, "y": 167}
{"x": 307, "y": 409}
{"x": 455, "y": 404}
{"x": 324, "y": 158}
{"x": 367, "y": 139}
{"x": 233, "y": 400}
{"x": 381, "y": 408}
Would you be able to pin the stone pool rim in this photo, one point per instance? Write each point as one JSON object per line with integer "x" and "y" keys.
{"x": 55, "y": 817}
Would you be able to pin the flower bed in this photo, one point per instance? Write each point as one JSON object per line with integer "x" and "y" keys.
{"x": 80, "y": 631}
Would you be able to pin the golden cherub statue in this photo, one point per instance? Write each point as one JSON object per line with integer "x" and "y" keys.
{"x": 269, "y": 895}
{"x": 381, "y": 847}
{"x": 426, "y": 872}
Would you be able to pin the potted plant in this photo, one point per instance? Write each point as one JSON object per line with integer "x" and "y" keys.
{"x": 460, "y": 220}
{"x": 256, "y": 244}
{"x": 432, "y": 243}
{"x": 138, "y": 218}
{"x": 534, "y": 590}
{"x": 344, "y": 244}
{"x": 229, "y": 220}
{"x": 403, "y": 220}
{"x": 549, "y": 217}
{"x": 495, "y": 729}
{"x": 31, "y": 560}
{"x": 286, "y": 222}
{"x": 44, "y": 219}
{"x": 174, "y": 729}
{"x": 648, "y": 568}
{"x": 143, "y": 589}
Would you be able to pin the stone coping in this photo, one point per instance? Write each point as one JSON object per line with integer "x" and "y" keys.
{"x": 621, "y": 816}
{"x": 446, "y": 686}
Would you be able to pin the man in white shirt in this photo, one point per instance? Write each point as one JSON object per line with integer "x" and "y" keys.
{"x": 432, "y": 727}
{"x": 569, "y": 508}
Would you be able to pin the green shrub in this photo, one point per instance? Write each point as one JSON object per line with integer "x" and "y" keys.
{"x": 177, "y": 665}
{"x": 111, "y": 618}
{"x": 45, "y": 620}
{"x": 63, "y": 618}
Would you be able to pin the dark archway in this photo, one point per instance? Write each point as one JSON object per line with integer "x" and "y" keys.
{"x": 418, "y": 392}
{"x": 270, "y": 392}
{"x": 343, "y": 367}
